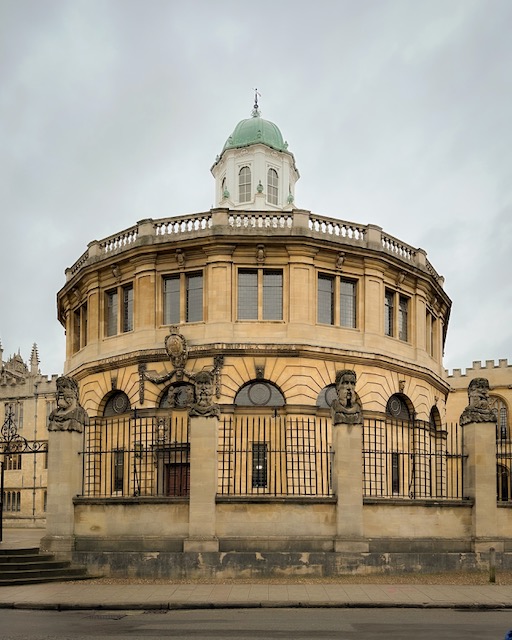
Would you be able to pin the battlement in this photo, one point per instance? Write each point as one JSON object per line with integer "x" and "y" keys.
{"x": 477, "y": 368}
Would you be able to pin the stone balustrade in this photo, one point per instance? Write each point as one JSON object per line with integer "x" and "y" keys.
{"x": 285, "y": 222}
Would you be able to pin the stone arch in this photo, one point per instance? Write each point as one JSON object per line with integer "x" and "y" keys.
{"x": 115, "y": 403}
{"x": 326, "y": 396}
{"x": 400, "y": 407}
{"x": 178, "y": 395}
{"x": 435, "y": 419}
{"x": 259, "y": 393}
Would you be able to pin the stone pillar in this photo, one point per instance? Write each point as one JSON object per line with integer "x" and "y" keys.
{"x": 347, "y": 437}
{"x": 203, "y": 485}
{"x": 479, "y": 423}
{"x": 480, "y": 481}
{"x": 65, "y": 440}
{"x": 348, "y": 487}
{"x": 64, "y": 483}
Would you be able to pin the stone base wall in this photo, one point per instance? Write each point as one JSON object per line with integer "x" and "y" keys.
{"x": 147, "y": 525}
{"x": 251, "y": 565}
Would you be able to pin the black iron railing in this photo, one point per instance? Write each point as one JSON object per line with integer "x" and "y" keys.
{"x": 412, "y": 459}
{"x": 275, "y": 456}
{"x": 130, "y": 456}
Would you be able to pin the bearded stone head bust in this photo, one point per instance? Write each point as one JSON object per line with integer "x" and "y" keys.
{"x": 346, "y": 408}
{"x": 69, "y": 414}
{"x": 478, "y": 409}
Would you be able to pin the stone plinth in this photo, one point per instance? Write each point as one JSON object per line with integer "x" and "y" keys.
{"x": 203, "y": 485}
{"x": 347, "y": 476}
{"x": 64, "y": 483}
{"x": 480, "y": 481}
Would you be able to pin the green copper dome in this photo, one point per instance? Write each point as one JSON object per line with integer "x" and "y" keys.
{"x": 256, "y": 130}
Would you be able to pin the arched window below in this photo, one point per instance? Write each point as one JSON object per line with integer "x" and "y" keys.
{"x": 326, "y": 396}
{"x": 178, "y": 395}
{"x": 435, "y": 419}
{"x": 116, "y": 404}
{"x": 399, "y": 407}
{"x": 272, "y": 186}
{"x": 244, "y": 184}
{"x": 259, "y": 393}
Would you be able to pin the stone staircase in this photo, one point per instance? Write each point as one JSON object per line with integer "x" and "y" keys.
{"x": 29, "y": 566}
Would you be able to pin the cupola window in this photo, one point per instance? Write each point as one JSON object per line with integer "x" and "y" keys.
{"x": 272, "y": 186}
{"x": 244, "y": 185}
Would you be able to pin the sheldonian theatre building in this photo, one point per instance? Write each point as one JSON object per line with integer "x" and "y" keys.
{"x": 259, "y": 390}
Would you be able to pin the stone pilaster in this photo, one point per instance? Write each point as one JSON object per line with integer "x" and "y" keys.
{"x": 480, "y": 480}
{"x": 203, "y": 485}
{"x": 348, "y": 486}
{"x": 64, "y": 483}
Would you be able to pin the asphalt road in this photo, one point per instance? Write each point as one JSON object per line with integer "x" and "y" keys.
{"x": 257, "y": 624}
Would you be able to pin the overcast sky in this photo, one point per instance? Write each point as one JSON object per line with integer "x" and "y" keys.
{"x": 398, "y": 112}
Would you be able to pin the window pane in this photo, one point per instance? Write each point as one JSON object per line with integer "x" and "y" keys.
{"x": 128, "y": 308}
{"x": 259, "y": 464}
{"x": 195, "y": 297}
{"x": 111, "y": 312}
{"x": 172, "y": 300}
{"x": 272, "y": 295}
{"x": 403, "y": 318}
{"x": 395, "y": 474}
{"x": 248, "y": 294}
{"x": 347, "y": 303}
{"x": 272, "y": 186}
{"x": 325, "y": 312}
{"x": 76, "y": 330}
{"x": 118, "y": 470}
{"x": 244, "y": 184}
{"x": 388, "y": 313}
{"x": 84, "y": 325}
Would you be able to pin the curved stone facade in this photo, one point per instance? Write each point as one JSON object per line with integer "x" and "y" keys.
{"x": 290, "y": 297}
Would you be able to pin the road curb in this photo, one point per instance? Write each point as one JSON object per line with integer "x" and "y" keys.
{"x": 277, "y": 604}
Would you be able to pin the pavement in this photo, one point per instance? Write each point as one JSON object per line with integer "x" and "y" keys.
{"x": 123, "y": 595}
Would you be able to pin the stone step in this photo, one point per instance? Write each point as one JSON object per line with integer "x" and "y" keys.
{"x": 28, "y": 566}
{"x": 36, "y": 563}
{"x": 12, "y": 582}
{"x": 14, "y": 558}
{"x": 19, "y": 552}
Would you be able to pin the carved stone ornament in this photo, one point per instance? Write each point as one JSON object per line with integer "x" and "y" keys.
{"x": 346, "y": 408}
{"x": 340, "y": 260}
{"x": 69, "y": 414}
{"x": 177, "y": 350}
{"x": 180, "y": 258}
{"x": 179, "y": 392}
{"x": 204, "y": 391}
{"x": 478, "y": 409}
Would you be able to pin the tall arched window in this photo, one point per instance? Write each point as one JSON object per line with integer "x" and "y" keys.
{"x": 435, "y": 418}
{"x": 502, "y": 483}
{"x": 500, "y": 410}
{"x": 244, "y": 184}
{"x": 272, "y": 186}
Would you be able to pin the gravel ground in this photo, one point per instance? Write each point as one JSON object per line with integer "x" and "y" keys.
{"x": 458, "y": 578}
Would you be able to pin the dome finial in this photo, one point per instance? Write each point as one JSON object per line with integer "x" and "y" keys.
{"x": 256, "y": 112}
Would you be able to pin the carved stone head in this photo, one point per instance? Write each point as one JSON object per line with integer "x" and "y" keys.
{"x": 205, "y": 389}
{"x": 478, "y": 409}
{"x": 346, "y": 408}
{"x": 69, "y": 414}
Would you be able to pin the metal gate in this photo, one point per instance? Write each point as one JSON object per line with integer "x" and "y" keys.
{"x": 13, "y": 445}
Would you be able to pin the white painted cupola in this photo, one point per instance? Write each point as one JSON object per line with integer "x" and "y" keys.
{"x": 255, "y": 171}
